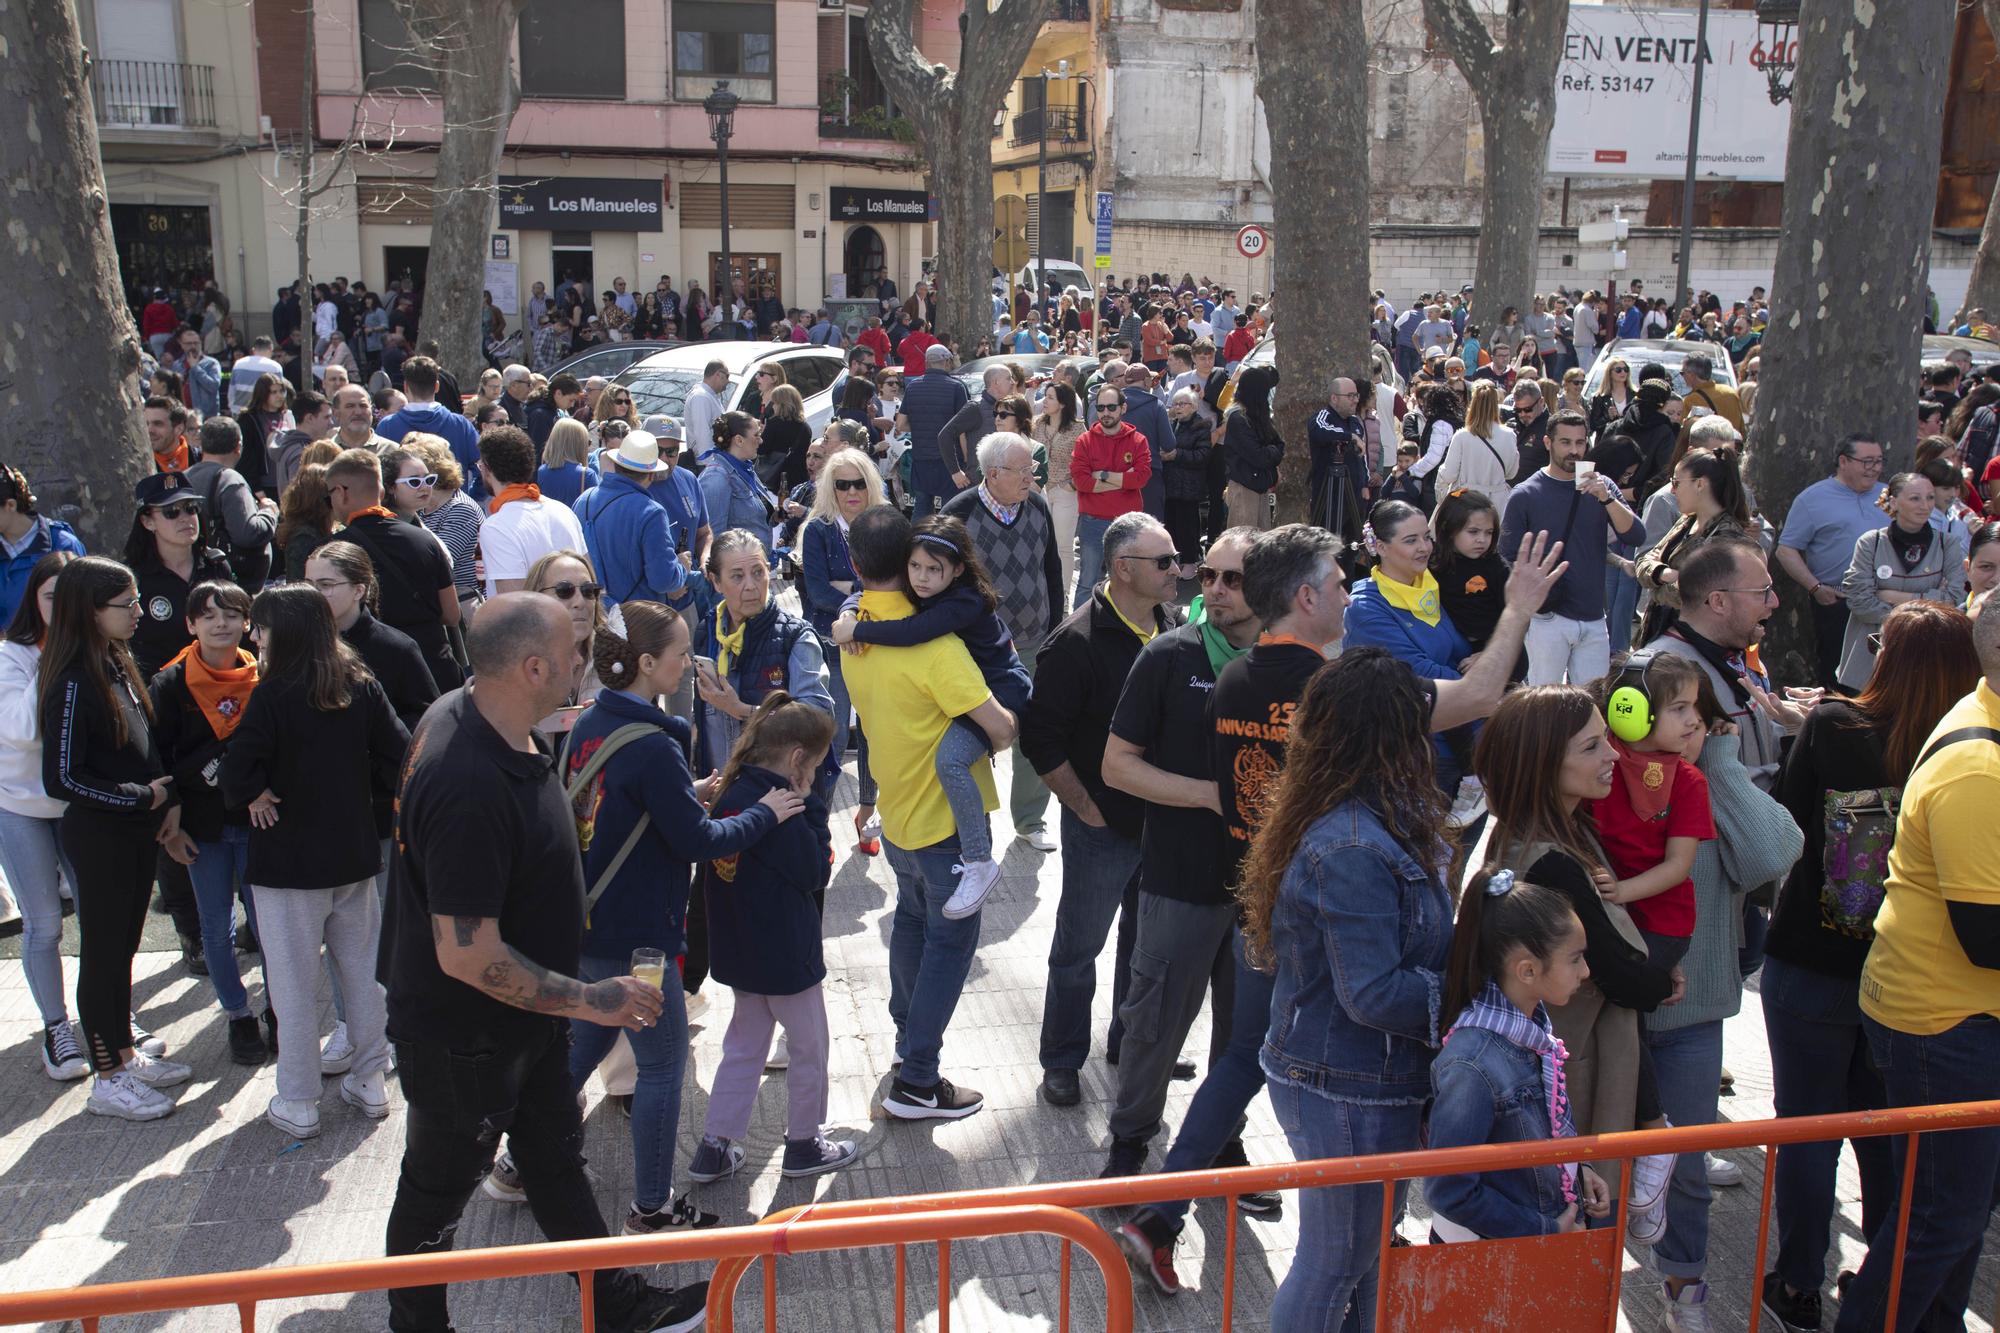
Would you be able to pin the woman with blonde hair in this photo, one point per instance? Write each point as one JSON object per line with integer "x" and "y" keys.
{"x": 848, "y": 485}
{"x": 305, "y": 518}
{"x": 782, "y": 455}
{"x": 566, "y": 470}
{"x": 1482, "y": 454}
{"x": 1617, "y": 394}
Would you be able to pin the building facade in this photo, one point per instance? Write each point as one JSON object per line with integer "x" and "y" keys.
{"x": 1053, "y": 116}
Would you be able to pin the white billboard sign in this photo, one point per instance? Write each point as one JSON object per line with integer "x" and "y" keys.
{"x": 1623, "y": 89}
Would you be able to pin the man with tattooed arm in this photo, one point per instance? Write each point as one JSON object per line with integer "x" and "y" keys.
{"x": 479, "y": 953}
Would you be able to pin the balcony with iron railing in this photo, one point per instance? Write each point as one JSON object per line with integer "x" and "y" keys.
{"x": 145, "y": 95}
{"x": 846, "y": 111}
{"x": 1064, "y": 124}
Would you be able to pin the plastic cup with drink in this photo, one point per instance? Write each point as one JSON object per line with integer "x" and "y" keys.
{"x": 650, "y": 966}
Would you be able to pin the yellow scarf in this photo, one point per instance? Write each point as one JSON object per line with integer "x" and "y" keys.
{"x": 727, "y": 646}
{"x": 1419, "y": 599}
{"x": 1143, "y": 635}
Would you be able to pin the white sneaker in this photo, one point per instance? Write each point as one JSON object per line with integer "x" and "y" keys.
{"x": 1723, "y": 1171}
{"x": 1689, "y": 1312}
{"x": 298, "y": 1119}
{"x": 781, "y": 1054}
{"x": 126, "y": 1098}
{"x": 336, "y": 1053}
{"x": 1645, "y": 1226}
{"x": 975, "y": 880}
{"x": 871, "y": 827}
{"x": 156, "y": 1073}
{"x": 1041, "y": 840}
{"x": 697, "y": 1006}
{"x": 366, "y": 1093}
{"x": 145, "y": 1042}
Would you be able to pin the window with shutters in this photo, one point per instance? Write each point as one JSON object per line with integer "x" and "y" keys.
{"x": 725, "y": 39}
{"x": 389, "y": 56}
{"x": 573, "y": 49}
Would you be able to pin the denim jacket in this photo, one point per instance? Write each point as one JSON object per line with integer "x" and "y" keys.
{"x": 1360, "y": 932}
{"x": 1489, "y": 1090}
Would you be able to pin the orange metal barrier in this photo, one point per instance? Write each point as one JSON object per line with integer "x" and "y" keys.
{"x": 245, "y": 1290}
{"x": 1555, "y": 1284}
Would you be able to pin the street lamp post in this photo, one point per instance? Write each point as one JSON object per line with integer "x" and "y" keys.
{"x": 721, "y": 108}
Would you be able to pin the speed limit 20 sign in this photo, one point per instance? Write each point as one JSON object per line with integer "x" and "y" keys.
{"x": 1252, "y": 241}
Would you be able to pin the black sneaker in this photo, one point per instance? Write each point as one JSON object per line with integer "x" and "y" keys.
{"x": 1260, "y": 1203}
{"x": 679, "y": 1214}
{"x": 246, "y": 1041}
{"x": 669, "y": 1309}
{"x": 62, "y": 1058}
{"x": 1796, "y": 1312}
{"x": 246, "y": 939}
{"x": 1128, "y": 1158}
{"x": 192, "y": 958}
{"x": 271, "y": 1031}
{"x": 1060, "y": 1087}
{"x": 940, "y": 1101}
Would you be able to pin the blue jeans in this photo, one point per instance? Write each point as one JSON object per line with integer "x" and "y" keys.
{"x": 1215, "y": 1116}
{"x": 1621, "y": 604}
{"x": 1337, "y": 1263}
{"x": 843, "y": 711}
{"x": 660, "y": 1051}
{"x": 1820, "y": 1065}
{"x": 923, "y": 503}
{"x": 1100, "y": 875}
{"x": 31, "y": 855}
{"x": 962, "y": 746}
{"x": 1089, "y": 557}
{"x": 929, "y": 957}
{"x": 1957, "y": 1185}
{"x": 217, "y": 873}
{"x": 1687, "y": 1062}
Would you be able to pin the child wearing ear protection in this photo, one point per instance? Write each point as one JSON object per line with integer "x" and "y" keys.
{"x": 1658, "y": 811}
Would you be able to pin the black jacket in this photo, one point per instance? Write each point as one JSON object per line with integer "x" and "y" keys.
{"x": 325, "y": 769}
{"x": 1079, "y": 675}
{"x": 163, "y": 597}
{"x": 193, "y": 754}
{"x": 538, "y": 418}
{"x": 1187, "y": 470}
{"x": 1249, "y": 460}
{"x": 83, "y": 762}
{"x": 397, "y": 663}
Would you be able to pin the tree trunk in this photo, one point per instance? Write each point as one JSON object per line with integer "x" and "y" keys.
{"x": 468, "y": 44}
{"x": 1514, "y": 84}
{"x": 952, "y": 111}
{"x": 1853, "y": 259}
{"x": 1312, "y": 62}
{"x": 69, "y": 386}
{"x": 1982, "y": 290}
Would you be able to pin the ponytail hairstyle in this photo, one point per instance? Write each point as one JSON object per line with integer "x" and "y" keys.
{"x": 1721, "y": 468}
{"x": 1498, "y": 914}
{"x": 301, "y": 644}
{"x": 945, "y": 538}
{"x": 85, "y": 586}
{"x": 356, "y": 566}
{"x": 780, "y": 724}
{"x": 649, "y": 631}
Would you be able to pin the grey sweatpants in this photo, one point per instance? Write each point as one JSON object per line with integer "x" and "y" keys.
{"x": 1182, "y": 951}
{"x": 745, "y": 1047}
{"x": 348, "y": 921}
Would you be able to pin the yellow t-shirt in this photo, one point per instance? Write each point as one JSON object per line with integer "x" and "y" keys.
{"x": 906, "y": 698}
{"x": 1947, "y": 850}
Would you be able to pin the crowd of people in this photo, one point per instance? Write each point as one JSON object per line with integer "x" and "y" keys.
{"x": 1470, "y": 804}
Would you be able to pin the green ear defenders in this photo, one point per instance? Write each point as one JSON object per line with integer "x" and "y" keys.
{"x": 1628, "y": 708}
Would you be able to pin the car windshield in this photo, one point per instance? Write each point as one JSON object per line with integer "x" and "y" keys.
{"x": 1637, "y": 356}
{"x": 660, "y": 390}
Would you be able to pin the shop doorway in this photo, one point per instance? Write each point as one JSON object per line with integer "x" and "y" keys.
{"x": 161, "y": 245}
{"x": 758, "y": 273}
{"x": 406, "y": 265}
{"x": 571, "y": 258}
{"x": 863, "y": 255}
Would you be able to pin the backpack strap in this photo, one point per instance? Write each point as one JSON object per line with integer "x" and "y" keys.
{"x": 586, "y": 775}
{"x": 1953, "y": 738}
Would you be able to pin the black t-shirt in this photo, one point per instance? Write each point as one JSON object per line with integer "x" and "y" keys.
{"x": 163, "y": 597}
{"x": 1250, "y": 718}
{"x": 482, "y": 830}
{"x": 410, "y": 567}
{"x": 1164, "y": 710}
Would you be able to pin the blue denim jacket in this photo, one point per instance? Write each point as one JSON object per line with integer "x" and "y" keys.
{"x": 1360, "y": 932}
{"x": 1489, "y": 1090}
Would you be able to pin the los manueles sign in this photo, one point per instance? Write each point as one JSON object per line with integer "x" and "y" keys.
{"x": 879, "y": 205}
{"x": 580, "y": 203}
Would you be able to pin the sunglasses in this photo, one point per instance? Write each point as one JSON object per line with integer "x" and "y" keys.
{"x": 1111, "y": 407}
{"x": 1163, "y": 563}
{"x": 180, "y": 509}
{"x": 565, "y": 590}
{"x": 424, "y": 482}
{"x": 1231, "y": 579}
{"x": 850, "y": 483}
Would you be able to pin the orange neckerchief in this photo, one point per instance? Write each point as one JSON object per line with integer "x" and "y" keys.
{"x": 383, "y": 510}
{"x": 175, "y": 459}
{"x": 517, "y": 491}
{"x": 1291, "y": 638}
{"x": 221, "y": 694}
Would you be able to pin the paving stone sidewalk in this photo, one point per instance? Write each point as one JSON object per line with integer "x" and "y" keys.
{"x": 214, "y": 1187}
